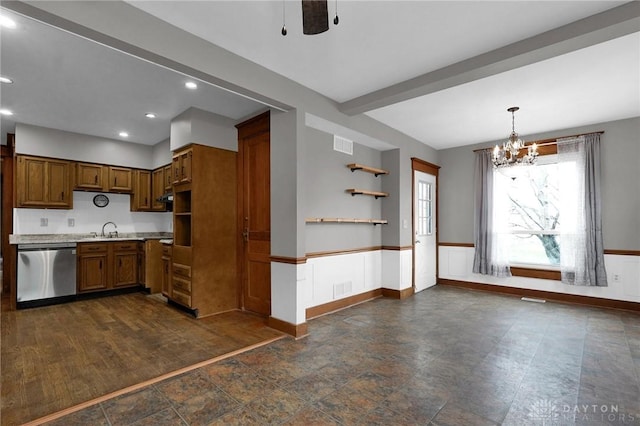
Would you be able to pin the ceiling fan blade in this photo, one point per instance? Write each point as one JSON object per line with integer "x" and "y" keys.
{"x": 315, "y": 16}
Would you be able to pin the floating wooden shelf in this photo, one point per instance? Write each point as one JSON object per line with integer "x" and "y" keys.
{"x": 377, "y": 194}
{"x": 373, "y": 170}
{"x": 345, "y": 220}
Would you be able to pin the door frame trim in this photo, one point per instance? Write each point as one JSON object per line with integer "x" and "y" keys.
{"x": 9, "y": 254}
{"x": 420, "y": 165}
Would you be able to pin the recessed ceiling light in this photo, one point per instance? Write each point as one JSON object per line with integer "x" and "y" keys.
{"x": 123, "y": 134}
{"x": 6, "y": 112}
{"x": 7, "y": 22}
{"x": 6, "y": 80}
{"x": 150, "y": 115}
{"x": 190, "y": 85}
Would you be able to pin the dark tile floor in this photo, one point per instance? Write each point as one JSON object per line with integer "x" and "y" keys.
{"x": 446, "y": 356}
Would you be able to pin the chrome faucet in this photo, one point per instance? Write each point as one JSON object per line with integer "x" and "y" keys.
{"x": 114, "y": 225}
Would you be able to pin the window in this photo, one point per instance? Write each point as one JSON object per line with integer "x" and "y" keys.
{"x": 425, "y": 208}
{"x": 533, "y": 219}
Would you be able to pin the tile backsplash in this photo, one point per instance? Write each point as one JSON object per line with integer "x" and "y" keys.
{"x": 86, "y": 217}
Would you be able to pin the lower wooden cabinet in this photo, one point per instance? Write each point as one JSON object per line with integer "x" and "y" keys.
{"x": 107, "y": 265}
{"x": 166, "y": 270}
{"x": 92, "y": 267}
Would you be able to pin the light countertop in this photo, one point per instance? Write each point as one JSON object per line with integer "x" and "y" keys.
{"x": 85, "y": 238}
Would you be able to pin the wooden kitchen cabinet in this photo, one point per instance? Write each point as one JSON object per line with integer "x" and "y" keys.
{"x": 43, "y": 183}
{"x": 203, "y": 257}
{"x": 158, "y": 189}
{"x": 168, "y": 179}
{"x": 90, "y": 177}
{"x": 125, "y": 264}
{"x": 142, "y": 264}
{"x": 120, "y": 179}
{"x": 166, "y": 270}
{"x": 141, "y": 196}
{"x": 107, "y": 265}
{"x": 181, "y": 166}
{"x": 92, "y": 267}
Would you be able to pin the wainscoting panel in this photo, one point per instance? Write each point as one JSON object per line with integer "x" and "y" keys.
{"x": 330, "y": 278}
{"x": 623, "y": 275}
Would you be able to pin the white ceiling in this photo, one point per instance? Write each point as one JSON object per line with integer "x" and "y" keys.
{"x": 377, "y": 44}
{"x": 66, "y": 82}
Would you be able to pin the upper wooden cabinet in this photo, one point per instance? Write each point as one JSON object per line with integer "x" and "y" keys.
{"x": 181, "y": 166}
{"x": 141, "y": 196}
{"x": 158, "y": 188}
{"x": 120, "y": 179}
{"x": 90, "y": 176}
{"x": 43, "y": 183}
{"x": 168, "y": 180}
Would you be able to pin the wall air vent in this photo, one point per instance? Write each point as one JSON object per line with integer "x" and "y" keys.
{"x": 343, "y": 145}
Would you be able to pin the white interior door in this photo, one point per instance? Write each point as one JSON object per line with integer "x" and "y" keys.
{"x": 424, "y": 227}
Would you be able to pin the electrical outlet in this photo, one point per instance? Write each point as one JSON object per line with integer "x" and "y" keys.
{"x": 616, "y": 278}
{"x": 44, "y": 221}
{"x": 71, "y": 222}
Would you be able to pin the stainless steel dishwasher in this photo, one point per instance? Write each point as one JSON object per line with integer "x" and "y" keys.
{"x": 46, "y": 273}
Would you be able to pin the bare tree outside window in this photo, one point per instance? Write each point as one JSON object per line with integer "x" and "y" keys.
{"x": 534, "y": 217}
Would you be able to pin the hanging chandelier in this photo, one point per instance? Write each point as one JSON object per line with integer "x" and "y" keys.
{"x": 509, "y": 153}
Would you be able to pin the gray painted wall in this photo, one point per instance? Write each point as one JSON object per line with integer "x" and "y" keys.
{"x": 45, "y": 142}
{"x": 197, "y": 126}
{"x": 620, "y": 184}
{"x": 327, "y": 178}
{"x": 161, "y": 154}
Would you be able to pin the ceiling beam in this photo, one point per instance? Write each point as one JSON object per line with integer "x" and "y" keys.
{"x": 595, "y": 29}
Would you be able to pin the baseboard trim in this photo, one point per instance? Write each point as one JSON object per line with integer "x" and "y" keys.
{"x": 548, "y": 295}
{"x": 337, "y": 305}
{"x": 295, "y": 330}
{"x": 397, "y": 294}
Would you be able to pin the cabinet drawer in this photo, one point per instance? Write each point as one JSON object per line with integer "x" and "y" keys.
{"x": 181, "y": 298}
{"x": 166, "y": 250}
{"x": 125, "y": 246}
{"x": 84, "y": 248}
{"x": 182, "y": 270}
{"x": 182, "y": 284}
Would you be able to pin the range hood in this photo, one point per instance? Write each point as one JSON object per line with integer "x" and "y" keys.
{"x": 166, "y": 198}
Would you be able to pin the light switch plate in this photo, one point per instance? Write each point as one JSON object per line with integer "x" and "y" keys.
{"x": 71, "y": 222}
{"x": 44, "y": 221}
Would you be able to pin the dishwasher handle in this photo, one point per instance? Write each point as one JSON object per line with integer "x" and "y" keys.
{"x": 46, "y": 246}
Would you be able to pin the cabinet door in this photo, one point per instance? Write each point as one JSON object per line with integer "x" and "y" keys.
{"x": 141, "y": 200}
{"x": 166, "y": 276}
{"x": 92, "y": 272}
{"x": 185, "y": 166}
{"x": 168, "y": 181}
{"x": 89, "y": 176}
{"x": 31, "y": 182}
{"x": 119, "y": 179}
{"x": 142, "y": 263}
{"x": 125, "y": 267}
{"x": 175, "y": 169}
{"x": 59, "y": 184}
{"x": 158, "y": 185}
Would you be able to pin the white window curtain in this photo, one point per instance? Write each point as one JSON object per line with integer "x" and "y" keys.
{"x": 490, "y": 225}
{"x": 581, "y": 245}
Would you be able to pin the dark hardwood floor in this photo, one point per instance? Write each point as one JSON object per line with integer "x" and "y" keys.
{"x": 59, "y": 356}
